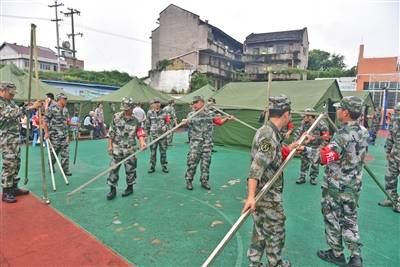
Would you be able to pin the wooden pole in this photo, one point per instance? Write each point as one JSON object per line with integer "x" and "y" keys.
{"x": 77, "y": 134}
{"x": 269, "y": 71}
{"x": 33, "y": 27}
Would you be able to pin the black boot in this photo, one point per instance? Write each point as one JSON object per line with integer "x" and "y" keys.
{"x": 67, "y": 173}
{"x": 355, "y": 261}
{"x": 113, "y": 192}
{"x": 151, "y": 170}
{"x": 18, "y": 191}
{"x": 128, "y": 191}
{"x": 189, "y": 185}
{"x": 8, "y": 195}
{"x": 329, "y": 256}
{"x": 165, "y": 169}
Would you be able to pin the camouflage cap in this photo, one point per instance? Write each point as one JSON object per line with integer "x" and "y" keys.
{"x": 127, "y": 103}
{"x": 279, "y": 103}
{"x": 61, "y": 95}
{"x": 197, "y": 98}
{"x": 9, "y": 86}
{"x": 155, "y": 100}
{"x": 309, "y": 111}
{"x": 350, "y": 103}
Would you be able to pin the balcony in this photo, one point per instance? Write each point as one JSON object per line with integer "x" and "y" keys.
{"x": 270, "y": 58}
{"x": 220, "y": 49}
{"x": 229, "y": 74}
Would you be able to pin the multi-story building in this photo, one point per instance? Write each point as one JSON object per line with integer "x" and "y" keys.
{"x": 285, "y": 52}
{"x": 47, "y": 58}
{"x": 182, "y": 34}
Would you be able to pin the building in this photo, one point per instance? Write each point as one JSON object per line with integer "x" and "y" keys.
{"x": 182, "y": 34}
{"x": 19, "y": 55}
{"x": 284, "y": 51}
{"x": 377, "y": 74}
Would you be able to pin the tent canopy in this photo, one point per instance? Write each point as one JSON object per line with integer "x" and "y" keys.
{"x": 364, "y": 95}
{"x": 206, "y": 92}
{"x": 138, "y": 90}
{"x": 20, "y": 78}
{"x": 303, "y": 94}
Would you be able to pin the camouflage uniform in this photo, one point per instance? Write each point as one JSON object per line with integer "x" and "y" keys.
{"x": 123, "y": 133}
{"x": 9, "y": 142}
{"x": 313, "y": 158}
{"x": 393, "y": 150}
{"x": 56, "y": 119}
{"x": 156, "y": 125}
{"x": 375, "y": 125}
{"x": 342, "y": 183}
{"x": 269, "y": 217}
{"x": 170, "y": 110}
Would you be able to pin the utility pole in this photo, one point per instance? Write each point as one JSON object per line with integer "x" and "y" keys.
{"x": 71, "y": 13}
{"x": 56, "y": 5}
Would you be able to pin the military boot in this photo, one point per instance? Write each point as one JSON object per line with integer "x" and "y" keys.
{"x": 189, "y": 185}
{"x": 165, "y": 169}
{"x": 8, "y": 195}
{"x": 283, "y": 263}
{"x": 313, "y": 181}
{"x": 67, "y": 173}
{"x": 205, "y": 185}
{"x": 396, "y": 207}
{"x": 18, "y": 191}
{"x": 113, "y": 192}
{"x": 355, "y": 261}
{"x": 151, "y": 170}
{"x": 301, "y": 180}
{"x": 385, "y": 203}
{"x": 329, "y": 256}
{"x": 128, "y": 191}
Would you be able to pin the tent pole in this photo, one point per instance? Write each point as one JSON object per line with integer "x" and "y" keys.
{"x": 77, "y": 137}
{"x": 269, "y": 71}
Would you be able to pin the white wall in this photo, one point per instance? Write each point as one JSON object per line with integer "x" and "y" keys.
{"x": 169, "y": 80}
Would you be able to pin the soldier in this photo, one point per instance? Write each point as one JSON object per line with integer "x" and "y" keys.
{"x": 343, "y": 158}
{"x": 56, "y": 124}
{"x": 157, "y": 122}
{"x": 201, "y": 130}
{"x": 170, "y": 110}
{"x": 267, "y": 154}
{"x": 9, "y": 142}
{"x": 123, "y": 130}
{"x": 321, "y": 132}
{"x": 375, "y": 125}
{"x": 393, "y": 156}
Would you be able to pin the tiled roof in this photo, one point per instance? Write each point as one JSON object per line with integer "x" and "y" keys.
{"x": 43, "y": 52}
{"x": 295, "y": 35}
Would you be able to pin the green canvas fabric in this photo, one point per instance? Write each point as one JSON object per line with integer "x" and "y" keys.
{"x": 20, "y": 78}
{"x": 138, "y": 90}
{"x": 206, "y": 92}
{"x": 246, "y": 100}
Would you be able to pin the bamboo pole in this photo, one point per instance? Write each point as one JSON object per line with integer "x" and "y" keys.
{"x": 44, "y": 186}
{"x": 269, "y": 70}
{"x": 77, "y": 136}
{"x": 33, "y": 27}
{"x": 236, "y": 119}
{"x": 51, "y": 167}
{"x": 92, "y": 180}
{"x": 58, "y": 161}
{"x": 235, "y": 227}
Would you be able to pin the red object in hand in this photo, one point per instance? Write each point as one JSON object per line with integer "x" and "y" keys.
{"x": 325, "y": 136}
{"x": 140, "y": 132}
{"x": 167, "y": 119}
{"x": 218, "y": 121}
{"x": 290, "y": 125}
{"x": 285, "y": 152}
{"x": 328, "y": 155}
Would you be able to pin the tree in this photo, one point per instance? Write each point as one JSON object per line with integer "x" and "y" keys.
{"x": 199, "y": 80}
{"x": 322, "y": 60}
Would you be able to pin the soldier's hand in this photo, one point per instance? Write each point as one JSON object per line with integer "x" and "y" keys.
{"x": 309, "y": 138}
{"x": 110, "y": 150}
{"x": 299, "y": 150}
{"x": 287, "y": 135}
{"x": 143, "y": 146}
{"x": 46, "y": 136}
{"x": 250, "y": 204}
{"x": 185, "y": 121}
{"x": 164, "y": 128}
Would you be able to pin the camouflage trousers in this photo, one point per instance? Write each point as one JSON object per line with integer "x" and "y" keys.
{"x": 199, "y": 151}
{"x": 162, "y": 145}
{"x": 391, "y": 177}
{"x": 61, "y": 147}
{"x": 268, "y": 233}
{"x": 170, "y": 137}
{"x": 11, "y": 163}
{"x": 312, "y": 161}
{"x": 130, "y": 169}
{"x": 339, "y": 210}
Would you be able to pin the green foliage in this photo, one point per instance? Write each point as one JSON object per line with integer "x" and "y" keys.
{"x": 199, "y": 80}
{"x": 322, "y": 60}
{"x": 162, "y": 64}
{"x": 243, "y": 77}
{"x": 113, "y": 77}
{"x": 331, "y": 73}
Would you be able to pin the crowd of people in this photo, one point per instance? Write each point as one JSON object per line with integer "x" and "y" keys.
{"x": 341, "y": 153}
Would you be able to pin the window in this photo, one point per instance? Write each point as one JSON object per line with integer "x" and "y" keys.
{"x": 256, "y": 51}
{"x": 280, "y": 49}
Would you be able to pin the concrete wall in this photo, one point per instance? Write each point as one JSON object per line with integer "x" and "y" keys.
{"x": 169, "y": 80}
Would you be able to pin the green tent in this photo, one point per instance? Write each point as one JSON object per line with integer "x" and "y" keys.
{"x": 364, "y": 95}
{"x": 246, "y": 100}
{"x": 206, "y": 92}
{"x": 20, "y": 78}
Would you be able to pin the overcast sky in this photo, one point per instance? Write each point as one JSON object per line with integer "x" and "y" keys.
{"x": 334, "y": 26}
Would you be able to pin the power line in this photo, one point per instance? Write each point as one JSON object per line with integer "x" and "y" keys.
{"x": 71, "y": 14}
{"x": 56, "y": 20}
